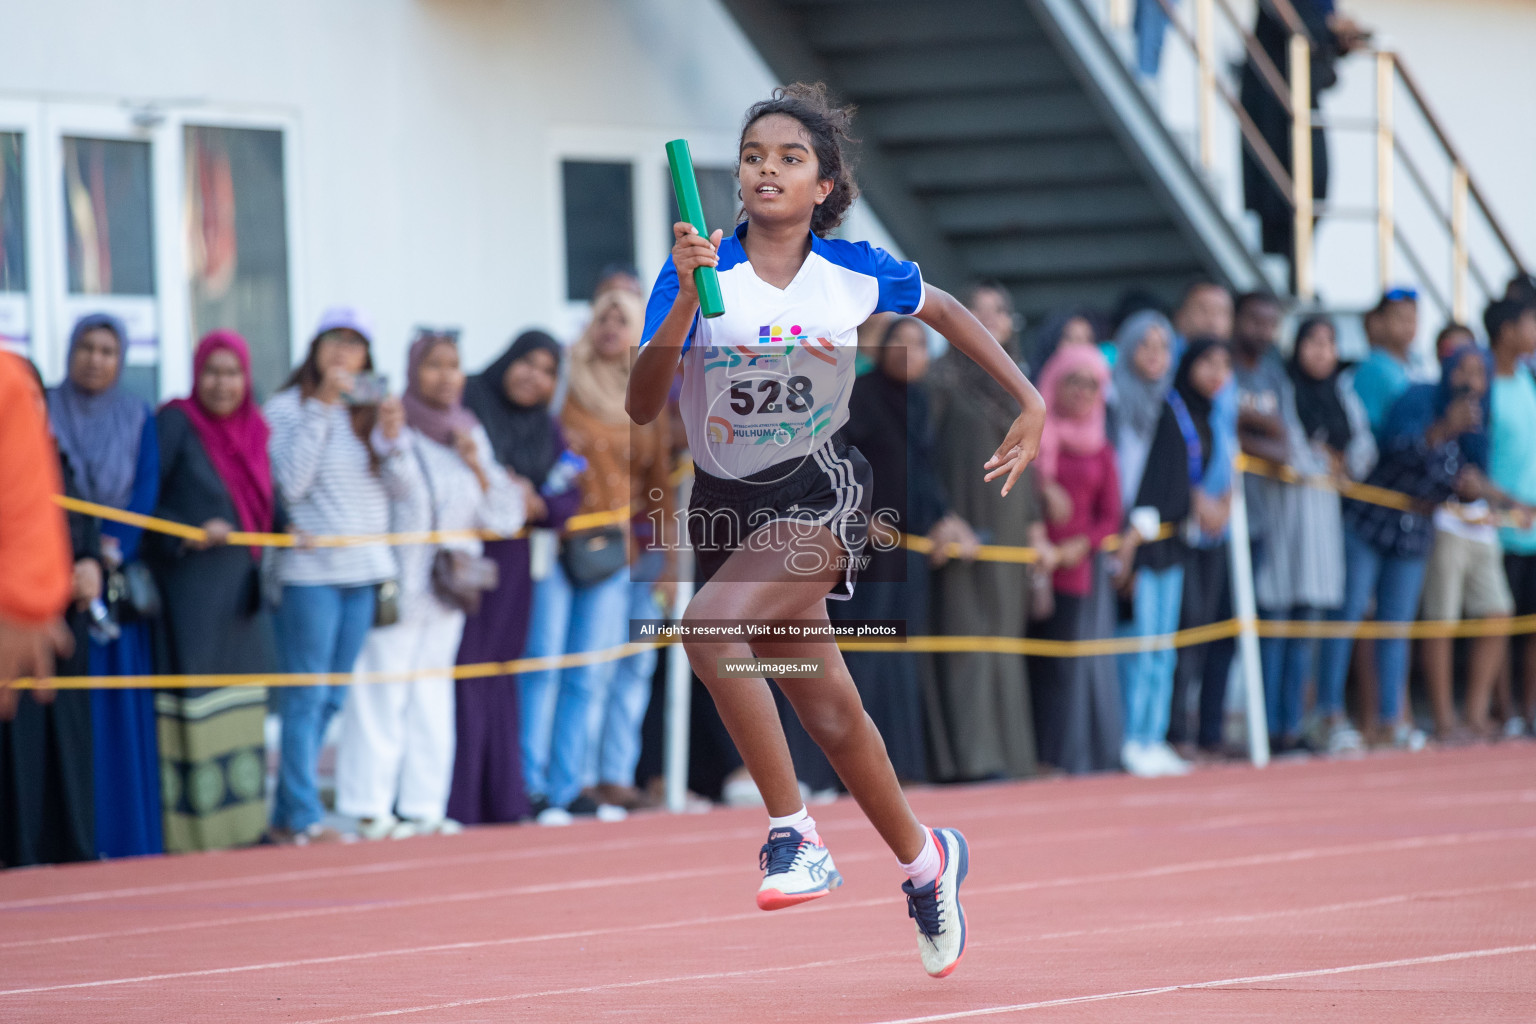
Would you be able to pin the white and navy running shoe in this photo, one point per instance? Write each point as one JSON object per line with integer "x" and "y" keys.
{"x": 797, "y": 870}
{"x": 935, "y": 907}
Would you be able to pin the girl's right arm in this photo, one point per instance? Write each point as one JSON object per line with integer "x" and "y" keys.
{"x": 650, "y": 378}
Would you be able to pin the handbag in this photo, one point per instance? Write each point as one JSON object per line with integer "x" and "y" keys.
{"x": 133, "y": 594}
{"x": 593, "y": 555}
{"x": 459, "y": 578}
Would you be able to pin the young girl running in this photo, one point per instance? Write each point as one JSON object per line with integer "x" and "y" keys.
{"x": 780, "y": 510}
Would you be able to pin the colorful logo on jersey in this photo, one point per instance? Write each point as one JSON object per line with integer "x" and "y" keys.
{"x": 782, "y": 335}
{"x": 721, "y": 431}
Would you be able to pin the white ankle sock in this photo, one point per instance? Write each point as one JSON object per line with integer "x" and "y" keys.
{"x": 926, "y": 867}
{"x": 801, "y": 821}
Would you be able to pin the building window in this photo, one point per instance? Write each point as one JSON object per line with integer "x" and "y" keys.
{"x": 599, "y": 222}
{"x": 108, "y": 220}
{"x": 717, "y": 191}
{"x": 237, "y": 243}
{"x": 13, "y": 215}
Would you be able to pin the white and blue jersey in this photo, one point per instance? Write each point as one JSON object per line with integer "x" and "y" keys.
{"x": 770, "y": 379}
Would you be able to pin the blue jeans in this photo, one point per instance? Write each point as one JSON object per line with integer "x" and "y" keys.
{"x": 1396, "y": 583}
{"x": 1146, "y": 677}
{"x": 1286, "y": 663}
{"x": 567, "y": 619}
{"x": 319, "y": 629}
{"x": 615, "y": 729}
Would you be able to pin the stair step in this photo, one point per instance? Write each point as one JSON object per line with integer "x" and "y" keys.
{"x": 1014, "y": 165}
{"x": 934, "y": 70}
{"x": 854, "y": 27}
{"x": 1065, "y": 254}
{"x": 949, "y": 119}
{"x": 993, "y": 211}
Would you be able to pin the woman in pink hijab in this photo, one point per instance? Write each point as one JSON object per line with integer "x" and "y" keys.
{"x": 214, "y": 473}
{"x": 1077, "y": 713}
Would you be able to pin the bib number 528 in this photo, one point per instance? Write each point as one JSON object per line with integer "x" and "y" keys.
{"x": 796, "y": 393}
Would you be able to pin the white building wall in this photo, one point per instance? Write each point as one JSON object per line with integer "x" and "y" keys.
{"x": 425, "y": 136}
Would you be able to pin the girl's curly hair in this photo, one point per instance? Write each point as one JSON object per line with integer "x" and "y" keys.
{"x": 828, "y": 126}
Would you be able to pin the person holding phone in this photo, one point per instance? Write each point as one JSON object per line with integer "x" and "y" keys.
{"x": 338, "y": 461}
{"x": 1432, "y": 441}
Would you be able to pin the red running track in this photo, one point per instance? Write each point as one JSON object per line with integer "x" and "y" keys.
{"x": 1396, "y": 888}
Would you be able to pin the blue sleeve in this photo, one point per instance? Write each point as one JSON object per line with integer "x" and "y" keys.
{"x": 663, "y": 294}
{"x": 1218, "y": 472}
{"x": 901, "y": 282}
{"x": 146, "y": 491}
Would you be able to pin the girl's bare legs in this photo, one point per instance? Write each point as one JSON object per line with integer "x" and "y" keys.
{"x": 758, "y": 583}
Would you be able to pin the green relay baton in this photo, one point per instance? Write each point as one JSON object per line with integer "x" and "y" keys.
{"x": 686, "y": 185}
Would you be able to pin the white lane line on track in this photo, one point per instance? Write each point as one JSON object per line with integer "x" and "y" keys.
{"x": 1133, "y": 993}
{"x": 1246, "y": 821}
{"x": 1231, "y": 794}
{"x": 816, "y": 909}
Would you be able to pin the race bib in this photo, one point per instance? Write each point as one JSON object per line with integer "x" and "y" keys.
{"x": 781, "y": 390}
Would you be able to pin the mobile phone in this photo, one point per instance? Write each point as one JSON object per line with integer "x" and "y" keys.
{"x": 367, "y": 389}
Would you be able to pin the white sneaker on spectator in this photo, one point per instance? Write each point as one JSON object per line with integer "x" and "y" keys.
{"x": 611, "y": 812}
{"x": 1137, "y": 759}
{"x": 555, "y": 817}
{"x": 387, "y": 827}
{"x": 1406, "y": 737}
{"x": 436, "y": 826}
{"x": 1166, "y": 760}
{"x": 1344, "y": 738}
{"x": 1514, "y": 728}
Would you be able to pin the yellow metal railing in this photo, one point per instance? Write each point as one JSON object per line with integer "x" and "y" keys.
{"x": 1195, "y": 24}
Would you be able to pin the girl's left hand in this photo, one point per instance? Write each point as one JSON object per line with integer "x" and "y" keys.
{"x": 1019, "y": 448}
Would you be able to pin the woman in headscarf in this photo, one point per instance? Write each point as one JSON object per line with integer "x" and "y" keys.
{"x": 1142, "y": 375}
{"x": 339, "y": 463}
{"x": 1070, "y": 326}
{"x": 1155, "y": 480}
{"x": 980, "y": 722}
{"x": 511, "y": 399}
{"x": 1204, "y": 370}
{"x": 1432, "y": 442}
{"x": 1336, "y": 441}
{"x": 579, "y": 730}
{"x": 394, "y": 760}
{"x": 1077, "y": 700}
{"x": 214, "y": 473}
{"x": 888, "y": 421}
{"x": 109, "y": 437}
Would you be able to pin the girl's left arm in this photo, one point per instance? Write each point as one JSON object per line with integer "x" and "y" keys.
{"x": 944, "y": 313}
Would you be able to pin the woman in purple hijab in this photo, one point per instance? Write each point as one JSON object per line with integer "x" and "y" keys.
{"x": 109, "y": 437}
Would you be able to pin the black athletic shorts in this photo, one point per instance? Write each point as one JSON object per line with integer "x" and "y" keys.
{"x": 830, "y": 487}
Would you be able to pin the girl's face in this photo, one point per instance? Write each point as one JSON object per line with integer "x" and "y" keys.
{"x": 1317, "y": 352}
{"x": 341, "y": 349}
{"x": 1076, "y": 396}
{"x": 1154, "y": 355}
{"x": 779, "y": 174}
{"x": 530, "y": 381}
{"x": 906, "y": 353}
{"x": 612, "y": 334}
{"x": 1210, "y": 372}
{"x": 221, "y": 385}
{"x": 1078, "y": 331}
{"x": 438, "y": 377}
{"x": 94, "y": 364}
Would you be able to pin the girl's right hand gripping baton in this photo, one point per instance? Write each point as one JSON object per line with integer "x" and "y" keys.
{"x": 686, "y": 186}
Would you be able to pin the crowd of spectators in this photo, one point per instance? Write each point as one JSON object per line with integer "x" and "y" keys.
{"x": 1127, "y": 510}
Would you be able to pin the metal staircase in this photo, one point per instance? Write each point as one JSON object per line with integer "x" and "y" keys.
{"x": 1011, "y": 139}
